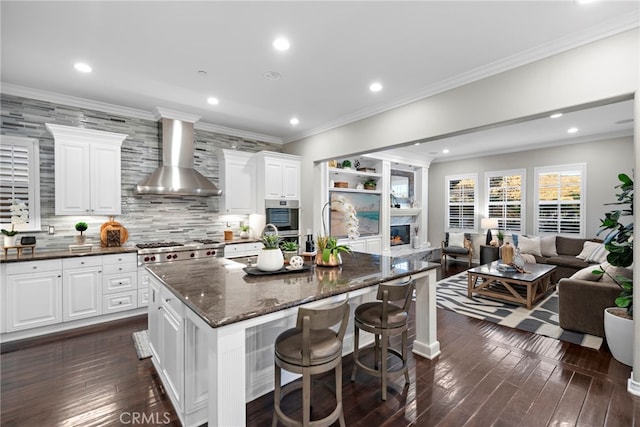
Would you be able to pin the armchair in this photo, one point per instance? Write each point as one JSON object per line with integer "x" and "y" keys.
{"x": 456, "y": 245}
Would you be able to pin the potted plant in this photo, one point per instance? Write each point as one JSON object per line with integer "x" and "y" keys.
{"x": 270, "y": 257}
{"x": 244, "y": 231}
{"x": 329, "y": 250}
{"x": 289, "y": 250}
{"x": 81, "y": 227}
{"x": 618, "y": 321}
{"x": 19, "y": 215}
{"x": 346, "y": 164}
{"x": 500, "y": 236}
{"x": 370, "y": 184}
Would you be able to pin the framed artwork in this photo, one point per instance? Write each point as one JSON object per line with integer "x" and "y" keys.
{"x": 367, "y": 208}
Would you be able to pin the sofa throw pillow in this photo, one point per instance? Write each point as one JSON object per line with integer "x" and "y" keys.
{"x": 514, "y": 237}
{"x": 612, "y": 272}
{"x": 548, "y": 246}
{"x": 587, "y": 274}
{"x": 456, "y": 239}
{"x": 529, "y": 245}
{"x": 587, "y": 249}
{"x": 599, "y": 254}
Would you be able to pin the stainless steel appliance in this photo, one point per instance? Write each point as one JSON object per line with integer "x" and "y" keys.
{"x": 284, "y": 214}
{"x": 157, "y": 252}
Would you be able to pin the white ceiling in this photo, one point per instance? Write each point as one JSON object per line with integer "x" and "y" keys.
{"x": 148, "y": 54}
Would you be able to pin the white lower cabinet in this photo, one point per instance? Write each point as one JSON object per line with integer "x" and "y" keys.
{"x": 143, "y": 286}
{"x": 242, "y": 249}
{"x": 81, "y": 288}
{"x": 180, "y": 356}
{"x": 370, "y": 245}
{"x": 33, "y": 294}
{"x": 119, "y": 282}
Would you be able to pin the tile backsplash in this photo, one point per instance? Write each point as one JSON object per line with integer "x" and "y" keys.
{"x": 147, "y": 217}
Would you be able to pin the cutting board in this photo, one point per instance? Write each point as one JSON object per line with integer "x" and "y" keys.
{"x": 107, "y": 229}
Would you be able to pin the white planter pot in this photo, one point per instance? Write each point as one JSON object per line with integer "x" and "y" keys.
{"x": 9, "y": 240}
{"x": 270, "y": 260}
{"x": 619, "y": 334}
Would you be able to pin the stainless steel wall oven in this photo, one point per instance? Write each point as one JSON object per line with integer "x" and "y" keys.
{"x": 284, "y": 214}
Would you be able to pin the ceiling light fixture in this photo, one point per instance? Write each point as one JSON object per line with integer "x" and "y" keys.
{"x": 281, "y": 44}
{"x": 555, "y": 115}
{"x": 294, "y": 121}
{"x": 572, "y": 130}
{"x": 82, "y": 67}
{"x": 445, "y": 151}
{"x": 375, "y": 87}
{"x": 213, "y": 101}
{"x": 272, "y": 75}
{"x": 417, "y": 143}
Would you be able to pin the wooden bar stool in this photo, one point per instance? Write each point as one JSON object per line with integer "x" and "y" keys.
{"x": 311, "y": 348}
{"x": 383, "y": 319}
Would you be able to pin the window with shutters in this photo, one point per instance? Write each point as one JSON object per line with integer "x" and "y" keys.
{"x": 559, "y": 199}
{"x": 506, "y": 198}
{"x": 20, "y": 180}
{"x": 461, "y": 205}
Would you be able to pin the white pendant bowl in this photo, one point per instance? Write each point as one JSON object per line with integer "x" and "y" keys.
{"x": 619, "y": 333}
{"x": 270, "y": 260}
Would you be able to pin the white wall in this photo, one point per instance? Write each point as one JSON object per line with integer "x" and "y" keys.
{"x": 604, "y": 159}
{"x": 601, "y": 70}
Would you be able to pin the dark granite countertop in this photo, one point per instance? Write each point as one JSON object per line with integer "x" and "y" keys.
{"x": 45, "y": 254}
{"x": 221, "y": 293}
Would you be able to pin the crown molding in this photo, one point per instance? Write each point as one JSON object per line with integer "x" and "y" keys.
{"x": 602, "y": 31}
{"x": 119, "y": 110}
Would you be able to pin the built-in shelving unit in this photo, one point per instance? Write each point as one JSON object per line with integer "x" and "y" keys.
{"x": 404, "y": 211}
{"x": 353, "y": 178}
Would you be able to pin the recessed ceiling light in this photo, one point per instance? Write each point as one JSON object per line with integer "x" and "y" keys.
{"x": 272, "y": 75}
{"x": 82, "y": 67}
{"x": 572, "y": 130}
{"x": 213, "y": 100}
{"x": 445, "y": 151}
{"x": 417, "y": 143}
{"x": 375, "y": 87}
{"x": 555, "y": 115}
{"x": 294, "y": 121}
{"x": 281, "y": 44}
{"x": 585, "y": 1}
{"x": 202, "y": 73}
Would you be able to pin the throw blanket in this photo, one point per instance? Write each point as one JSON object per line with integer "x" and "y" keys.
{"x": 528, "y": 258}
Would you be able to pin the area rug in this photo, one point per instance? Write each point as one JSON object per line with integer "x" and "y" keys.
{"x": 141, "y": 342}
{"x": 542, "y": 319}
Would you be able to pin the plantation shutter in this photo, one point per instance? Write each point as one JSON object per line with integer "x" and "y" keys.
{"x": 19, "y": 179}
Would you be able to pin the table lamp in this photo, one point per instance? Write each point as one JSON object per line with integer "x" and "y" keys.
{"x": 488, "y": 224}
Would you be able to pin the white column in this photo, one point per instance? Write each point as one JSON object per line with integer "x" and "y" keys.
{"x": 426, "y": 343}
{"x": 227, "y": 388}
{"x": 634, "y": 381}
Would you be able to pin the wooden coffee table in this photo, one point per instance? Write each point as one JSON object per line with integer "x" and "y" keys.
{"x": 522, "y": 288}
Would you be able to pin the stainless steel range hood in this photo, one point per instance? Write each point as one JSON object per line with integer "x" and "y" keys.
{"x": 176, "y": 175}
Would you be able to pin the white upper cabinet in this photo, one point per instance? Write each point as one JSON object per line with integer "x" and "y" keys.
{"x": 237, "y": 179}
{"x": 278, "y": 176}
{"x": 87, "y": 171}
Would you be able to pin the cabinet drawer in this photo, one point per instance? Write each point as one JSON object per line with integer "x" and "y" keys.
{"x": 131, "y": 258}
{"x": 143, "y": 297}
{"x": 120, "y": 302}
{"x": 120, "y": 268}
{"x": 34, "y": 266}
{"x": 172, "y": 303}
{"x": 242, "y": 249}
{"x": 81, "y": 262}
{"x": 119, "y": 282}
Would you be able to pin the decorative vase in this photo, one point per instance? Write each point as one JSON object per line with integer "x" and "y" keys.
{"x": 618, "y": 331}
{"x": 244, "y": 234}
{"x": 81, "y": 239}
{"x": 507, "y": 253}
{"x": 334, "y": 260}
{"x": 9, "y": 241}
{"x": 288, "y": 255}
{"x": 270, "y": 260}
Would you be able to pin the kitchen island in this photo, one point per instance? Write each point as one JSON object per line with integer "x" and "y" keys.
{"x": 212, "y": 326}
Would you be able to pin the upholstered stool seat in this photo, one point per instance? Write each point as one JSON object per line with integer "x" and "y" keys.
{"x": 383, "y": 319}
{"x": 310, "y": 348}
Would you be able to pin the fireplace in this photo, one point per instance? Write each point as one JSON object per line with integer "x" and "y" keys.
{"x": 400, "y": 234}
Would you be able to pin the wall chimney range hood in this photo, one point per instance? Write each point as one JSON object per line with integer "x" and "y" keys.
{"x": 176, "y": 176}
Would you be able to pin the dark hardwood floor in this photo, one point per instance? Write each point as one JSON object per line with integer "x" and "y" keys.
{"x": 487, "y": 375}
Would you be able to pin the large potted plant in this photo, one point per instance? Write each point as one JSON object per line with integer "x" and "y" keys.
{"x": 270, "y": 257}
{"x": 618, "y": 321}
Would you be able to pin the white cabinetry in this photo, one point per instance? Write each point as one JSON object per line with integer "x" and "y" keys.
{"x": 33, "y": 294}
{"x": 242, "y": 249}
{"x": 371, "y": 245}
{"x": 278, "y": 176}
{"x": 81, "y": 288}
{"x": 237, "y": 178}
{"x": 179, "y": 348}
{"x": 120, "y": 282}
{"x": 87, "y": 171}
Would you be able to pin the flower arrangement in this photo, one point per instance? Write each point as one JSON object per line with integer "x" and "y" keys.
{"x": 19, "y": 215}
{"x": 328, "y": 248}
